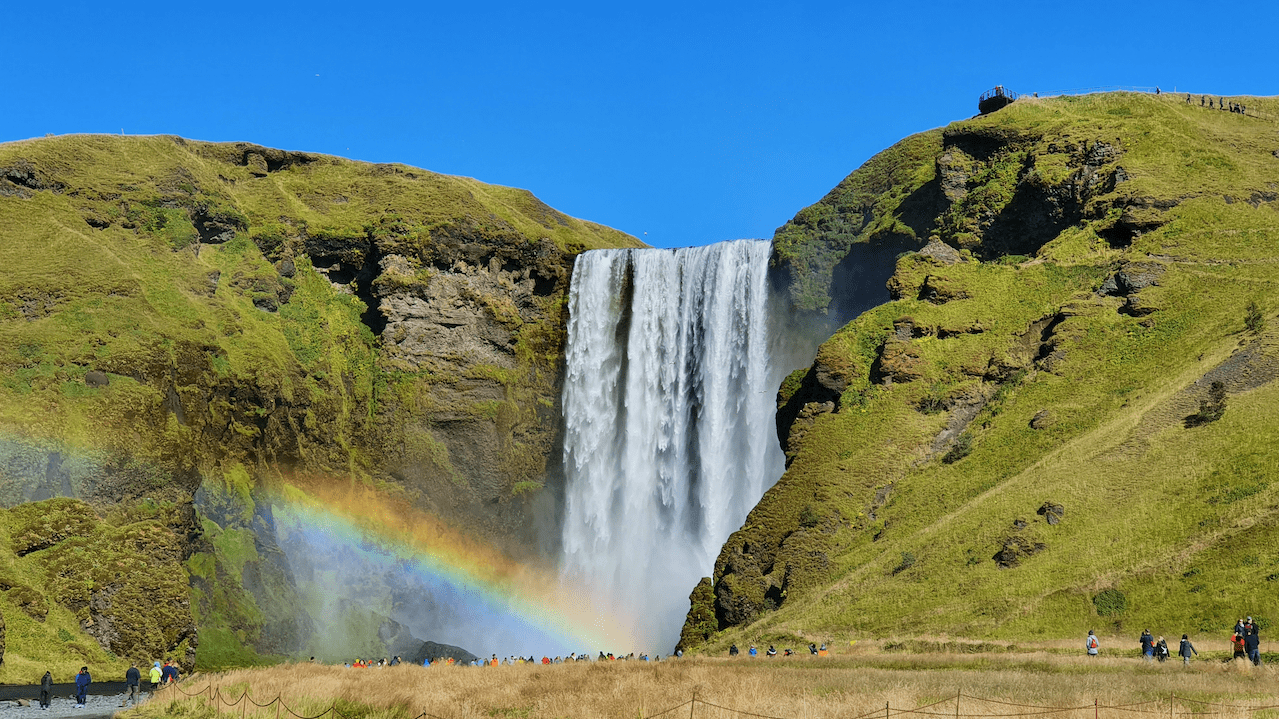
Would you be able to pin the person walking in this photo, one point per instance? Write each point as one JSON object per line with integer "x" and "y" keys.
{"x": 82, "y": 682}
{"x": 131, "y": 679}
{"x": 1186, "y": 649}
{"x": 1161, "y": 650}
{"x": 155, "y": 677}
{"x": 1092, "y": 644}
{"x": 1147, "y": 645}
{"x": 46, "y": 688}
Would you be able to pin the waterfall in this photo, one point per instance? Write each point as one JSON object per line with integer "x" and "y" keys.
{"x": 669, "y": 410}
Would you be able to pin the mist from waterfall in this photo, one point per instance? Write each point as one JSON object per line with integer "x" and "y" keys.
{"x": 670, "y": 437}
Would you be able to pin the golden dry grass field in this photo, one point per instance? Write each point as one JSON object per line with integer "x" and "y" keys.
{"x": 858, "y": 683}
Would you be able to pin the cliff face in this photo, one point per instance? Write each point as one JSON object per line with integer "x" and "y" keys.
{"x": 1027, "y": 428}
{"x": 183, "y": 325}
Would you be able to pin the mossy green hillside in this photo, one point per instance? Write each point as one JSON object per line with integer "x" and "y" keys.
{"x": 1008, "y": 182}
{"x": 184, "y": 321}
{"x": 79, "y": 589}
{"x": 1006, "y": 439}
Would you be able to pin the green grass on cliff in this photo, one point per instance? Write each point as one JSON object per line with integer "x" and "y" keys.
{"x": 884, "y": 527}
{"x": 1170, "y": 150}
{"x": 160, "y": 262}
{"x": 68, "y": 554}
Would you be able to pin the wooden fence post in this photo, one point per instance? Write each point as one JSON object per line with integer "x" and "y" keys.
{"x": 692, "y": 704}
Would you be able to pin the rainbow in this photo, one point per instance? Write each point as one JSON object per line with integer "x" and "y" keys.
{"x": 470, "y": 594}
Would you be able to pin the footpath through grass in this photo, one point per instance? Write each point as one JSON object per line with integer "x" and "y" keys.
{"x": 863, "y": 684}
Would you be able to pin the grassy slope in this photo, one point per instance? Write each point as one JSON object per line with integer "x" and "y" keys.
{"x": 844, "y": 686}
{"x": 45, "y": 601}
{"x": 100, "y": 273}
{"x": 1182, "y": 521}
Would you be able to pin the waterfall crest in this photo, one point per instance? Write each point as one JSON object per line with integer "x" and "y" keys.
{"x": 669, "y": 410}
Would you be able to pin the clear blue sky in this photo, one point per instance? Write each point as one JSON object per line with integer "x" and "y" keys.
{"x": 691, "y": 122}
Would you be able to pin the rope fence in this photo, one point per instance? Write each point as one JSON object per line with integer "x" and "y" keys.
{"x": 220, "y": 702}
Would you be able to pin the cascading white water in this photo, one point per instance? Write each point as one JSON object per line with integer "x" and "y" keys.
{"x": 669, "y": 415}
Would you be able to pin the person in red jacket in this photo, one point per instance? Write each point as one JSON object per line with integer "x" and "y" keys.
{"x": 1237, "y": 641}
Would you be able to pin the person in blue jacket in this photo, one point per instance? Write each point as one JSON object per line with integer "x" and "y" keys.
{"x": 82, "y": 681}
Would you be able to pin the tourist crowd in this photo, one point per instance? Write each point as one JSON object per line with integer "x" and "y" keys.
{"x": 1245, "y": 640}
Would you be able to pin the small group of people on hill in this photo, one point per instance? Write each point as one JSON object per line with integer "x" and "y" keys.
{"x": 1152, "y": 649}
{"x": 772, "y": 651}
{"x": 1221, "y": 104}
{"x": 1245, "y": 640}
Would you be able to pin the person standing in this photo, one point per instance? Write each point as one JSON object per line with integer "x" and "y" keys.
{"x": 131, "y": 679}
{"x": 82, "y": 682}
{"x": 1092, "y": 644}
{"x": 1186, "y": 649}
{"x": 155, "y": 677}
{"x": 46, "y": 688}
{"x": 1236, "y": 642}
{"x": 1161, "y": 650}
{"x": 1252, "y": 645}
{"x": 1147, "y": 645}
{"x": 169, "y": 674}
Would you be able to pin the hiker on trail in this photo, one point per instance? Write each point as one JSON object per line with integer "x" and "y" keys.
{"x": 1147, "y": 645}
{"x": 1186, "y": 649}
{"x": 772, "y": 651}
{"x": 1252, "y": 644}
{"x": 1249, "y": 626}
{"x": 1239, "y": 627}
{"x": 82, "y": 682}
{"x": 754, "y": 651}
{"x": 1161, "y": 650}
{"x": 733, "y": 651}
{"x": 46, "y": 687}
{"x": 1092, "y": 644}
{"x": 156, "y": 675}
{"x": 1236, "y": 641}
{"x": 812, "y": 648}
{"x": 131, "y": 679}
{"x": 169, "y": 674}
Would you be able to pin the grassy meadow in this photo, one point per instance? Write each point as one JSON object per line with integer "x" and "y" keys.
{"x": 860, "y": 682}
